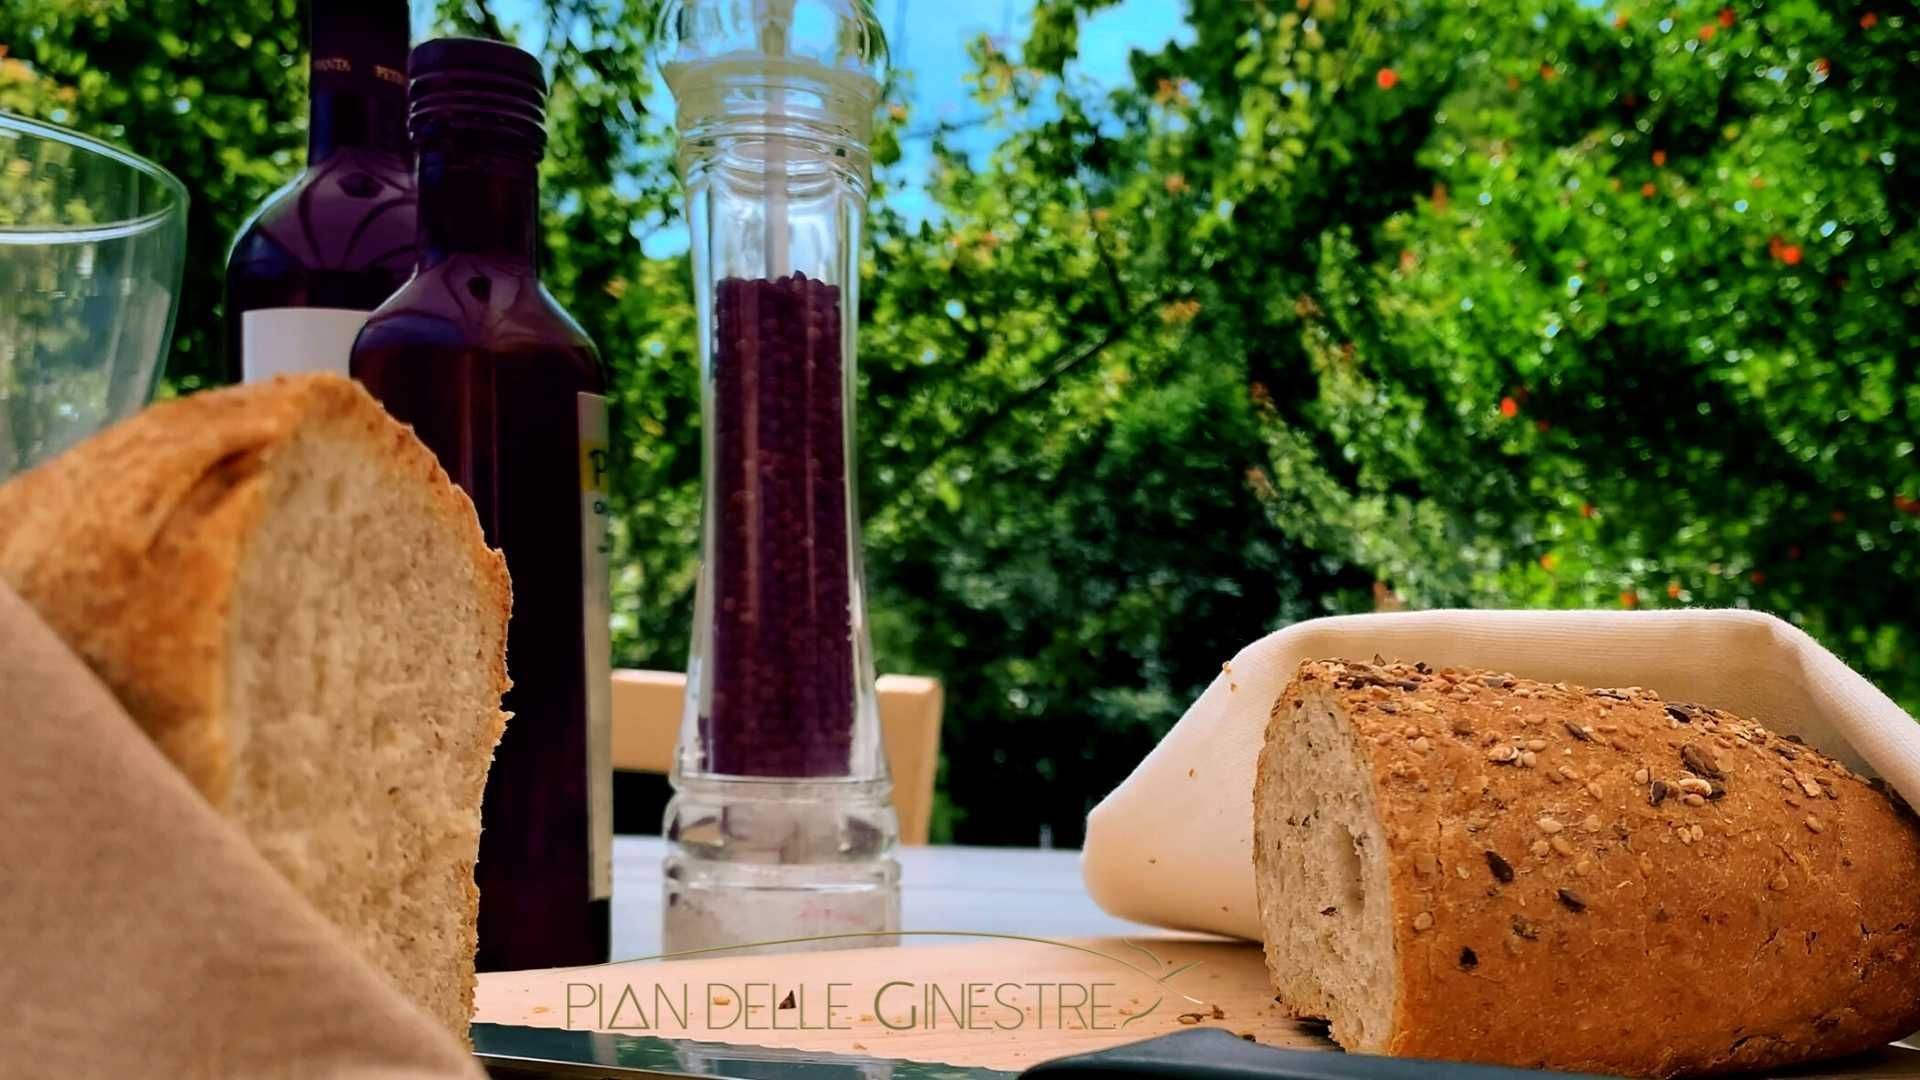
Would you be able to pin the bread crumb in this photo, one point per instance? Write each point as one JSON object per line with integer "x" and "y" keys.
{"x": 1423, "y": 921}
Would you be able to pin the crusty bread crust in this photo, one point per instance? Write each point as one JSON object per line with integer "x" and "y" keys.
{"x": 1607, "y": 881}
{"x": 128, "y": 544}
{"x": 132, "y": 547}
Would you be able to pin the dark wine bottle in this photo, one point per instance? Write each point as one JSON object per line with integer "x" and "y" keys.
{"x": 508, "y": 391}
{"x": 338, "y": 240}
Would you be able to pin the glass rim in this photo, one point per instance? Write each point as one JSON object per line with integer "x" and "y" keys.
{"x": 19, "y": 125}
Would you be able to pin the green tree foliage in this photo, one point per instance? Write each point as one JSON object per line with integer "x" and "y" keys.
{"x": 1340, "y": 305}
{"x": 1540, "y": 304}
{"x": 214, "y": 92}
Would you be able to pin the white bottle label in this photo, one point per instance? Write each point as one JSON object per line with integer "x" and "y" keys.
{"x": 596, "y": 592}
{"x": 285, "y": 341}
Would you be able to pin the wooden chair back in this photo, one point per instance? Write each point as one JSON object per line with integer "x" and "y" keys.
{"x": 646, "y": 725}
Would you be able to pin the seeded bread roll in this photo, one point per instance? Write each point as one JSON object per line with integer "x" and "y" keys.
{"x": 284, "y": 590}
{"x": 1471, "y": 866}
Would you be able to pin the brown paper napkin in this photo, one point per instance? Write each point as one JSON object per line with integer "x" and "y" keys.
{"x": 1173, "y": 844}
{"x": 140, "y": 934}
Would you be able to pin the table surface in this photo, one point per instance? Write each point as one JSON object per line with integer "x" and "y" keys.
{"x": 992, "y": 890}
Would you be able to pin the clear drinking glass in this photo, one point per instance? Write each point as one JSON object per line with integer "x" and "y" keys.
{"x": 92, "y": 240}
{"x": 782, "y": 824}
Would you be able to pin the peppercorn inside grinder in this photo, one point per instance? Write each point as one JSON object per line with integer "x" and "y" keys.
{"x": 782, "y": 825}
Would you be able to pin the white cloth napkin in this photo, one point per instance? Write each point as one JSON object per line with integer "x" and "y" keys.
{"x": 1172, "y": 845}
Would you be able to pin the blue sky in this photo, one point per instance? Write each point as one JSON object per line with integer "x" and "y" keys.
{"x": 928, "y": 40}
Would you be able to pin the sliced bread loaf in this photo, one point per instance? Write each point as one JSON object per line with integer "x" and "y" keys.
{"x": 1467, "y": 865}
{"x": 285, "y": 591}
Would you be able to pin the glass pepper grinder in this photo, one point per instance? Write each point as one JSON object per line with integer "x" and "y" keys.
{"x": 781, "y": 825}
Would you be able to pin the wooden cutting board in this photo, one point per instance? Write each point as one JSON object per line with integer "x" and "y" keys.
{"x": 1002, "y": 1003}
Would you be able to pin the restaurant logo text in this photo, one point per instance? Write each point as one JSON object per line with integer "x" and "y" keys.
{"x": 898, "y": 1005}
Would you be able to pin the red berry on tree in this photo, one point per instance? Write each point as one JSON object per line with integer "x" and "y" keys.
{"x": 1648, "y": 191}
{"x": 1758, "y": 577}
{"x": 1386, "y": 78}
{"x": 1629, "y": 599}
{"x": 1869, "y": 21}
{"x": 1790, "y": 254}
{"x": 1726, "y": 17}
{"x": 1547, "y": 73}
{"x": 1586, "y": 509}
{"x": 1659, "y": 159}
{"x": 1509, "y": 408}
{"x": 1673, "y": 590}
{"x": 1707, "y": 32}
